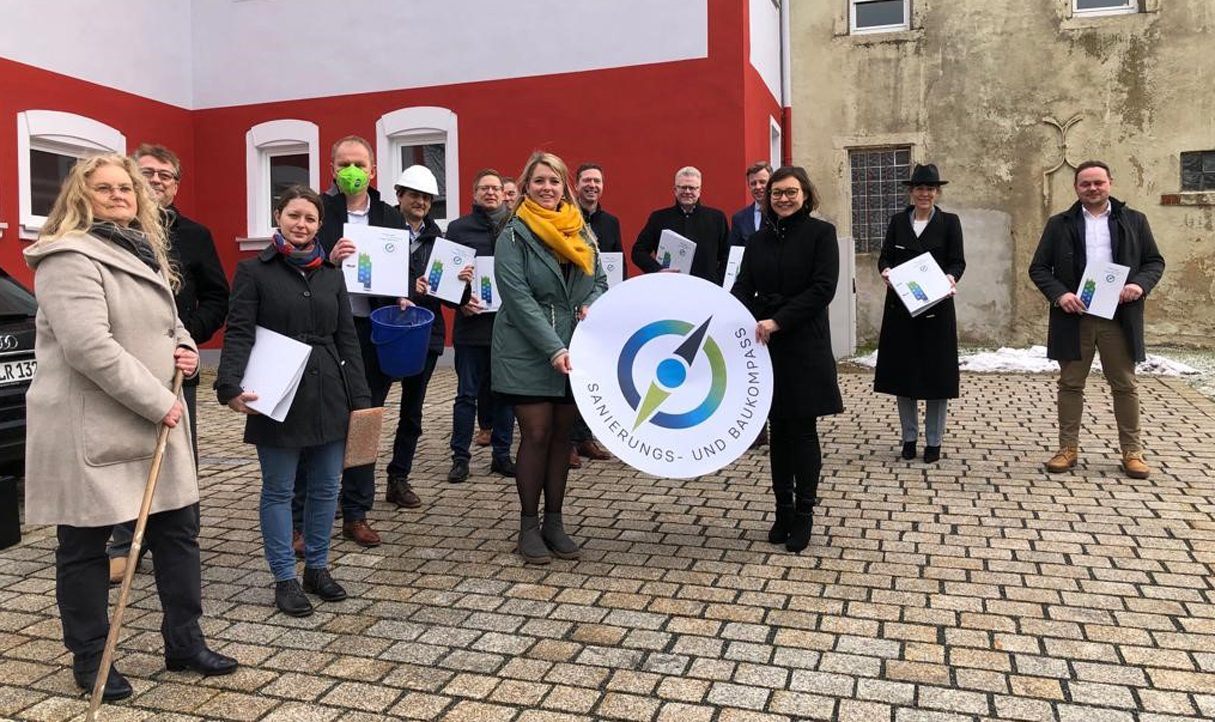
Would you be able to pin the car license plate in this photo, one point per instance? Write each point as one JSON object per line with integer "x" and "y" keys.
{"x": 12, "y": 372}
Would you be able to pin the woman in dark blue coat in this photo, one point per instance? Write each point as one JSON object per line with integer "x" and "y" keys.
{"x": 918, "y": 357}
{"x": 292, "y": 289}
{"x": 786, "y": 279}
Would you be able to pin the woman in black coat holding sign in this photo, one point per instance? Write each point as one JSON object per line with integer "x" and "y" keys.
{"x": 291, "y": 288}
{"x": 918, "y": 357}
{"x": 786, "y": 279}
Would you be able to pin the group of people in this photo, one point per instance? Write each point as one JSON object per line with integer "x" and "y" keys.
{"x": 128, "y": 288}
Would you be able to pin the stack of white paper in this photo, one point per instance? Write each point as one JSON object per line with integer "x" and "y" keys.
{"x": 443, "y": 268}
{"x": 920, "y": 283}
{"x": 675, "y": 252}
{"x": 485, "y": 284}
{"x": 1100, "y": 287}
{"x": 379, "y": 265}
{"x": 732, "y": 264}
{"x": 273, "y": 372}
{"x": 613, "y": 266}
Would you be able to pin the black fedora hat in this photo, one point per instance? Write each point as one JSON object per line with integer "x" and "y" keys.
{"x": 925, "y": 175}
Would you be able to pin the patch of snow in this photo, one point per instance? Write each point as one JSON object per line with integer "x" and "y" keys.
{"x": 1033, "y": 360}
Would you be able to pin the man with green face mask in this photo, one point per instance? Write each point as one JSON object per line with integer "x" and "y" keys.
{"x": 351, "y": 199}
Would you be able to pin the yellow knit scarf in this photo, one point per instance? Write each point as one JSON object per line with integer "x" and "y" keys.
{"x": 560, "y": 230}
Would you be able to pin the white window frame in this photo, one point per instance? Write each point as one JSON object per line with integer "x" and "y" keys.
{"x": 263, "y": 141}
{"x": 419, "y": 125}
{"x": 54, "y": 131}
{"x": 1128, "y": 7}
{"x": 775, "y": 142}
{"x": 852, "y": 26}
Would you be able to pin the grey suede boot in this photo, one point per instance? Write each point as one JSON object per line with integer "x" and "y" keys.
{"x": 531, "y": 544}
{"x": 559, "y": 543}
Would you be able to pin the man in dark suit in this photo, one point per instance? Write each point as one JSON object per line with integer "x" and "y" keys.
{"x": 1097, "y": 229}
{"x": 748, "y": 220}
{"x": 202, "y": 298}
{"x": 704, "y": 226}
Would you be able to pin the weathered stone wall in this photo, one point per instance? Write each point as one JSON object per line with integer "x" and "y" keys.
{"x": 984, "y": 89}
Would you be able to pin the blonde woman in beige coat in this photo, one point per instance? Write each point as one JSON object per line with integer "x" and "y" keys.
{"x": 108, "y": 343}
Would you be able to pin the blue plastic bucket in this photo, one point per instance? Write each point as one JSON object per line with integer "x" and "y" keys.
{"x": 401, "y": 339}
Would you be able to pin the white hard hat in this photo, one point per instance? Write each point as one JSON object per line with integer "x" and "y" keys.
{"x": 418, "y": 178}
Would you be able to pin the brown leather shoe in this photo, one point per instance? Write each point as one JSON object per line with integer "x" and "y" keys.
{"x": 118, "y": 566}
{"x": 592, "y": 450}
{"x": 297, "y": 543}
{"x": 575, "y": 460}
{"x": 1134, "y": 465}
{"x": 401, "y": 494}
{"x": 1064, "y": 459}
{"x": 359, "y": 532}
{"x": 483, "y": 436}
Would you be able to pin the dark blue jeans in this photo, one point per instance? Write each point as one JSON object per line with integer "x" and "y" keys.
{"x": 472, "y": 375}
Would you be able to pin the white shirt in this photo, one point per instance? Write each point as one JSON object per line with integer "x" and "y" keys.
{"x": 1097, "y": 246}
{"x": 917, "y": 225}
{"x": 360, "y": 305}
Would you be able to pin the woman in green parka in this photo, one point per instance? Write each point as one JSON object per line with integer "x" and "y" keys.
{"x": 547, "y": 266}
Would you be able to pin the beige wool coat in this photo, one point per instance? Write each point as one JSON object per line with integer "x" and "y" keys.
{"x": 107, "y": 328}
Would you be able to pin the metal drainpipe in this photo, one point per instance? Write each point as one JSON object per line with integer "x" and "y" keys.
{"x": 786, "y": 85}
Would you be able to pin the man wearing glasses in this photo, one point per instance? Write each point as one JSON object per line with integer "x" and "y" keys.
{"x": 472, "y": 334}
{"x": 704, "y": 226}
{"x": 202, "y": 299}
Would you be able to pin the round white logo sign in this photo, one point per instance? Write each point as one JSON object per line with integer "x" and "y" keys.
{"x": 668, "y": 375}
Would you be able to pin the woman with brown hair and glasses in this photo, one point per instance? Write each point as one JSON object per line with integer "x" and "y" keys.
{"x": 548, "y": 272}
{"x": 787, "y": 278}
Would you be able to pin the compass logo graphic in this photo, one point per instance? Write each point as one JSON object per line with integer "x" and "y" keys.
{"x": 670, "y": 374}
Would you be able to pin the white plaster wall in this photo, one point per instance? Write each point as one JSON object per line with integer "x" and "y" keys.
{"x": 143, "y": 47}
{"x": 253, "y": 51}
{"x": 765, "y": 43}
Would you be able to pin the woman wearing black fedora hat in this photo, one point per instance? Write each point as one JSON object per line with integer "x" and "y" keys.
{"x": 918, "y": 356}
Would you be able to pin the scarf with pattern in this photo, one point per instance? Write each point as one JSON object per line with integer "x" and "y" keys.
{"x": 304, "y": 258}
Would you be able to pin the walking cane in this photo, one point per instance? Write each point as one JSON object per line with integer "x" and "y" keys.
{"x": 111, "y": 641}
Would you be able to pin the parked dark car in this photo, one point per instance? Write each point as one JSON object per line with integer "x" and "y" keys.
{"x": 17, "y": 367}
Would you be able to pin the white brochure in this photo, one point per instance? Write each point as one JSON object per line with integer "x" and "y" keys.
{"x": 273, "y": 372}
{"x": 379, "y": 265}
{"x": 485, "y": 284}
{"x": 920, "y": 283}
{"x": 675, "y": 252}
{"x": 443, "y": 268}
{"x": 613, "y": 266}
{"x": 1100, "y": 287}
{"x": 732, "y": 264}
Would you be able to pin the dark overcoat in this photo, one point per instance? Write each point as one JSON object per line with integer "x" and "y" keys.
{"x": 789, "y": 273}
{"x": 309, "y": 307}
{"x": 918, "y": 357}
{"x": 1059, "y": 263}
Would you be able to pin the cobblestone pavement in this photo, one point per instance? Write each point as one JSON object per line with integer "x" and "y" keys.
{"x": 978, "y": 589}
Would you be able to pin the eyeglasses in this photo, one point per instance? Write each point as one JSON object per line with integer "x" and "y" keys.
{"x": 105, "y": 189}
{"x": 489, "y": 189}
{"x": 687, "y": 189}
{"x": 164, "y": 175}
{"x": 790, "y": 193}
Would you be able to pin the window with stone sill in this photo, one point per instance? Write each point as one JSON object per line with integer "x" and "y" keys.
{"x": 877, "y": 192}
{"x": 1198, "y": 171}
{"x": 879, "y": 16}
{"x": 1086, "y": 8}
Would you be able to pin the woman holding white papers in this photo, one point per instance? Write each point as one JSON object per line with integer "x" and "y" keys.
{"x": 292, "y": 289}
{"x": 787, "y": 279}
{"x": 918, "y": 356}
{"x": 548, "y": 272}
{"x": 108, "y": 344}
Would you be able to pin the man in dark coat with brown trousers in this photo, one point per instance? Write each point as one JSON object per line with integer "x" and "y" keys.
{"x": 1096, "y": 229}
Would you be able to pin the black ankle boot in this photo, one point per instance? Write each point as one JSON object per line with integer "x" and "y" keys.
{"x": 290, "y": 599}
{"x": 318, "y": 582}
{"x": 932, "y": 454}
{"x": 799, "y": 532}
{"x": 779, "y": 533}
{"x": 116, "y": 686}
{"x": 908, "y": 450}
